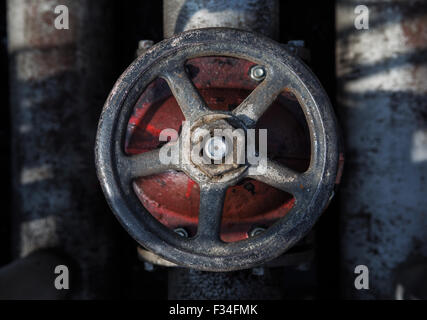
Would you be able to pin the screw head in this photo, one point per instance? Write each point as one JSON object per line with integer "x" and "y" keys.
{"x": 258, "y": 73}
{"x": 216, "y": 148}
{"x": 181, "y": 232}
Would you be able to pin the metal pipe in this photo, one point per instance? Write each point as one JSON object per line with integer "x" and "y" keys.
{"x": 253, "y": 15}
{"x": 261, "y": 16}
{"x": 382, "y": 100}
{"x": 59, "y": 80}
{"x": 241, "y": 285}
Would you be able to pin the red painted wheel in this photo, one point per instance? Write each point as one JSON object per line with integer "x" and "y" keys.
{"x": 203, "y": 76}
{"x": 172, "y": 197}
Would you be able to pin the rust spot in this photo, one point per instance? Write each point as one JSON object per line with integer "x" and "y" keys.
{"x": 415, "y": 31}
{"x": 340, "y": 169}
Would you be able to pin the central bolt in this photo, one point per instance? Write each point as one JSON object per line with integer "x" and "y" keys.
{"x": 216, "y": 148}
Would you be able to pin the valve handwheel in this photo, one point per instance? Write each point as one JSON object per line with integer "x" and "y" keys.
{"x": 284, "y": 72}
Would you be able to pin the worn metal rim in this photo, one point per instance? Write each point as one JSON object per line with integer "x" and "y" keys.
{"x": 323, "y": 134}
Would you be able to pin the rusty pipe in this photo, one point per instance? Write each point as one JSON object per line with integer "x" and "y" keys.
{"x": 261, "y": 16}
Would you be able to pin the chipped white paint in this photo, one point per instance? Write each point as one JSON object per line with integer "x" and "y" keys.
{"x": 407, "y": 77}
{"x": 225, "y": 18}
{"x": 38, "y": 234}
{"x": 252, "y": 15}
{"x": 33, "y": 175}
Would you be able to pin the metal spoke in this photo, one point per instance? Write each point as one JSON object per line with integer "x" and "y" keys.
{"x": 145, "y": 164}
{"x": 259, "y": 100}
{"x": 210, "y": 212}
{"x": 185, "y": 93}
{"x": 281, "y": 178}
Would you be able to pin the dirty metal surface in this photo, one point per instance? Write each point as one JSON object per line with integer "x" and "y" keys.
{"x": 58, "y": 78}
{"x": 382, "y": 98}
{"x": 250, "y": 15}
{"x": 196, "y": 285}
{"x": 312, "y": 189}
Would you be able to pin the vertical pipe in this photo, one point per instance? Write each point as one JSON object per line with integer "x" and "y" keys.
{"x": 241, "y": 285}
{"x": 59, "y": 81}
{"x": 253, "y": 15}
{"x": 382, "y": 98}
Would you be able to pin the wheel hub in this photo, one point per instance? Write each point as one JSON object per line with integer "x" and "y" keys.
{"x": 213, "y": 149}
{"x": 216, "y": 149}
